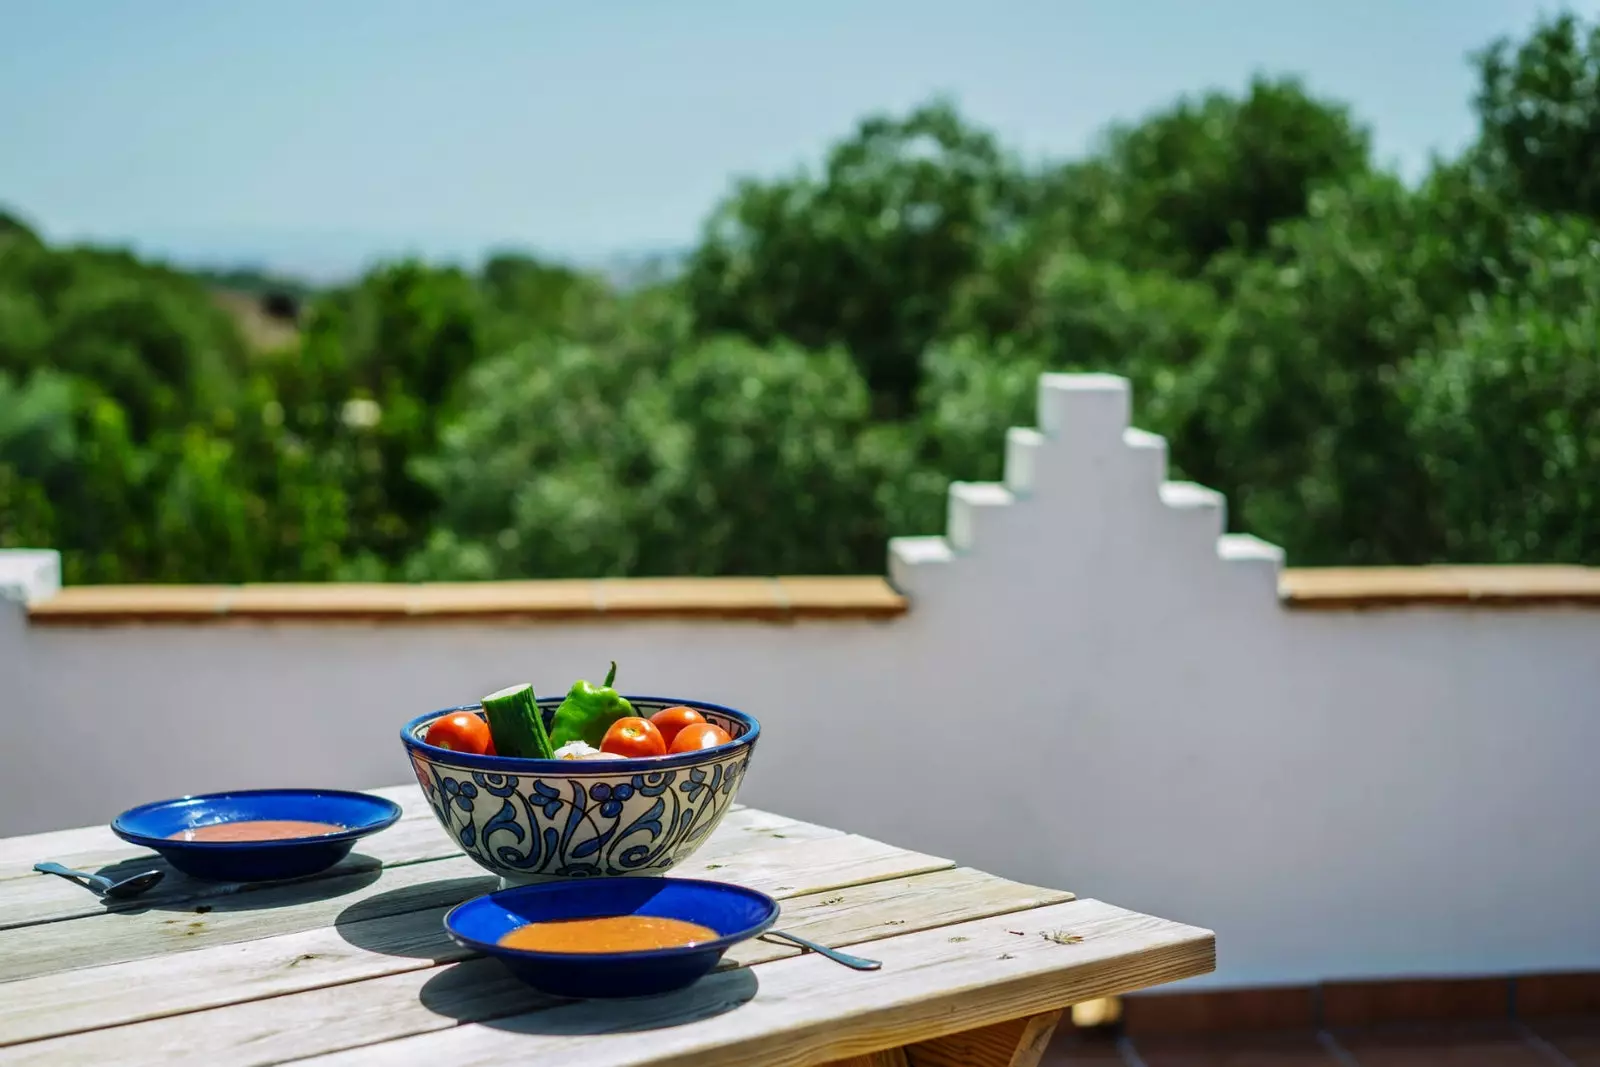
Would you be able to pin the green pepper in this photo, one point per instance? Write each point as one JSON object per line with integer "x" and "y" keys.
{"x": 588, "y": 712}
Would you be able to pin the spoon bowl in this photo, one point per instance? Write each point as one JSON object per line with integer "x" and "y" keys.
{"x": 122, "y": 889}
{"x": 132, "y": 887}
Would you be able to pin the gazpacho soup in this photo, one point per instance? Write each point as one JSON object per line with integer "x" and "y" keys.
{"x": 613, "y": 933}
{"x": 256, "y": 830}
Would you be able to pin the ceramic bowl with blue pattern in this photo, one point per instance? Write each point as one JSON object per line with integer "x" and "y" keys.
{"x": 531, "y": 820}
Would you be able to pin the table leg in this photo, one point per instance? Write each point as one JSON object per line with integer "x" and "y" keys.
{"x": 1018, "y": 1043}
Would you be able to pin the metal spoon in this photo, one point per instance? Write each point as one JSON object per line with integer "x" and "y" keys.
{"x": 127, "y": 887}
{"x": 858, "y": 962}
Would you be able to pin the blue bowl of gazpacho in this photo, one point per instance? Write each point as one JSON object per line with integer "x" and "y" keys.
{"x": 256, "y": 835}
{"x": 611, "y": 937}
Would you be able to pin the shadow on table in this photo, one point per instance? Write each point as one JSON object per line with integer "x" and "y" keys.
{"x": 179, "y": 892}
{"x": 484, "y": 992}
{"x": 409, "y": 921}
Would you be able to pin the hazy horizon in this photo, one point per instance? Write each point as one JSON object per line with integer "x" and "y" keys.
{"x": 310, "y": 139}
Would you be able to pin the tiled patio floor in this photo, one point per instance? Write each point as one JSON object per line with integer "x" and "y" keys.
{"x": 1568, "y": 1042}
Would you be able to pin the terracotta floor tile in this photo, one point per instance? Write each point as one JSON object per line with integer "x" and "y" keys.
{"x": 1576, "y": 1039}
{"x": 1071, "y": 1049}
{"x": 1442, "y": 1045}
{"x": 1405, "y": 1002}
{"x": 1562, "y": 995}
{"x": 1300, "y": 1049}
{"x": 1281, "y": 1009}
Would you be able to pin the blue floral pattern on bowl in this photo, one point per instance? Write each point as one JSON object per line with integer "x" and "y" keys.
{"x": 538, "y": 820}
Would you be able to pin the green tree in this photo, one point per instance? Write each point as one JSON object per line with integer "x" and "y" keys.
{"x": 733, "y": 459}
{"x": 547, "y": 469}
{"x": 525, "y": 298}
{"x": 769, "y": 476}
{"x": 1210, "y": 174}
{"x": 1539, "y": 111}
{"x": 150, "y": 337}
{"x": 15, "y": 231}
{"x": 973, "y": 389}
{"x": 245, "y": 499}
{"x": 1506, "y": 411}
{"x": 1293, "y": 411}
{"x": 1078, "y": 313}
{"x": 380, "y": 364}
{"x": 867, "y": 255}
{"x": 71, "y": 469}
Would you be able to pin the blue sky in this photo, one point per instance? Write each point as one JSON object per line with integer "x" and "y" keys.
{"x": 312, "y": 134}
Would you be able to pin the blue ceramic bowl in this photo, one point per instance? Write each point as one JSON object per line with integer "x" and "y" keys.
{"x": 152, "y": 825}
{"x": 734, "y": 912}
{"x": 530, "y": 820}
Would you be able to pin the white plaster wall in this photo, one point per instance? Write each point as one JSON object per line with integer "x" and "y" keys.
{"x": 1092, "y": 690}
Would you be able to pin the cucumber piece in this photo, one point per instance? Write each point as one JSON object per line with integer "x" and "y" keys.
{"x": 516, "y": 723}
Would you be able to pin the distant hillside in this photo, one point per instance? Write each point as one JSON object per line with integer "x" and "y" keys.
{"x": 268, "y": 305}
{"x": 633, "y": 270}
{"x": 255, "y": 282}
{"x": 267, "y": 321}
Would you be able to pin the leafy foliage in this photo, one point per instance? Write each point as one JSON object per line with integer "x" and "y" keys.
{"x": 1209, "y": 175}
{"x": 1373, "y": 371}
{"x": 1506, "y": 412}
{"x": 868, "y": 255}
{"x": 1539, "y": 105}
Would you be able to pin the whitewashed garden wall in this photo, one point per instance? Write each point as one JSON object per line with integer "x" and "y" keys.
{"x": 1094, "y": 688}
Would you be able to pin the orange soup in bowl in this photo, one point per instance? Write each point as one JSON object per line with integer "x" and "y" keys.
{"x": 256, "y": 830}
{"x": 614, "y": 933}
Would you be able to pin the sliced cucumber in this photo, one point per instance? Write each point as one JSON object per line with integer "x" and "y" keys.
{"x": 516, "y": 723}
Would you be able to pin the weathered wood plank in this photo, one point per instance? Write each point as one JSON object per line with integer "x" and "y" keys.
{"x": 1018, "y": 1043}
{"x": 417, "y": 838}
{"x": 278, "y": 1029}
{"x": 787, "y": 865}
{"x": 88, "y": 848}
{"x": 70, "y": 1001}
{"x": 92, "y": 998}
{"x": 875, "y": 910}
{"x": 89, "y": 1004}
{"x": 805, "y": 1011}
{"x": 47, "y": 898}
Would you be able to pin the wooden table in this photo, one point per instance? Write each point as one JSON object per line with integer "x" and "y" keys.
{"x": 353, "y": 967}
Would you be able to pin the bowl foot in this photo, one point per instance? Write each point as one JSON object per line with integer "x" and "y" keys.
{"x": 608, "y": 980}
{"x": 512, "y": 882}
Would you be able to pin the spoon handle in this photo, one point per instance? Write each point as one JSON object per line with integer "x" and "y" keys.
{"x": 857, "y": 962}
{"x": 94, "y": 880}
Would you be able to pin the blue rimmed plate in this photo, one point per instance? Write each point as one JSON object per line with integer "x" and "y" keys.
{"x": 733, "y": 912}
{"x": 356, "y": 814}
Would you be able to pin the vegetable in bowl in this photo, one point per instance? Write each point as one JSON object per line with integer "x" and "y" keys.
{"x": 589, "y": 810}
{"x": 592, "y": 722}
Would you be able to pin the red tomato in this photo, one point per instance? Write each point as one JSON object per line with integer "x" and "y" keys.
{"x": 461, "y": 732}
{"x": 633, "y": 738}
{"x": 699, "y": 735}
{"x": 670, "y": 720}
